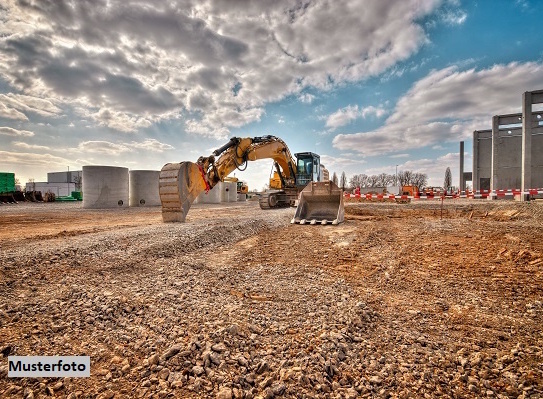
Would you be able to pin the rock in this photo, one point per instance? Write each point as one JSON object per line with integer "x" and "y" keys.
{"x": 242, "y": 361}
{"x": 376, "y": 379}
{"x": 171, "y": 352}
{"x": 278, "y": 388}
{"x": 198, "y": 370}
{"x": 224, "y": 393}
{"x": 221, "y": 347}
{"x": 351, "y": 393}
{"x": 58, "y": 386}
{"x": 233, "y": 329}
{"x": 266, "y": 383}
{"x": 163, "y": 374}
{"x": 262, "y": 367}
{"x": 153, "y": 360}
{"x": 116, "y": 360}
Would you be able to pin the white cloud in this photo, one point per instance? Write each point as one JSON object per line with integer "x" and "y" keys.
{"x": 103, "y": 147}
{"x": 130, "y": 65}
{"x": 26, "y": 146}
{"x": 8, "y": 131}
{"x": 446, "y": 106}
{"x": 332, "y": 162}
{"x": 11, "y": 113}
{"x": 306, "y": 98}
{"x": 454, "y": 17}
{"x": 31, "y": 159}
{"x": 33, "y": 104}
{"x": 350, "y": 113}
{"x": 399, "y": 156}
{"x": 151, "y": 145}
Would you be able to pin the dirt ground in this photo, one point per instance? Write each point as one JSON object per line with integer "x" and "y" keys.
{"x": 401, "y": 300}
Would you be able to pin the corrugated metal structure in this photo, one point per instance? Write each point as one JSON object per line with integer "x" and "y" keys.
{"x": 65, "y": 177}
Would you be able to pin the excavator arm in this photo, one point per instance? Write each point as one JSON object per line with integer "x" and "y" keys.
{"x": 180, "y": 183}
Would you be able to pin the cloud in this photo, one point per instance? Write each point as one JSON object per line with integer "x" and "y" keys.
{"x": 454, "y": 17}
{"x": 215, "y": 64}
{"x": 11, "y": 113}
{"x": 447, "y": 105}
{"x": 399, "y": 156}
{"x": 306, "y": 98}
{"x": 334, "y": 162}
{"x": 31, "y": 159}
{"x": 109, "y": 148}
{"x": 33, "y": 104}
{"x": 350, "y": 113}
{"x": 26, "y": 146}
{"x": 103, "y": 147}
{"x": 152, "y": 145}
{"x": 8, "y": 131}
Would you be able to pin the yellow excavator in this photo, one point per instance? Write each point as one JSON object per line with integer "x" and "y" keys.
{"x": 319, "y": 201}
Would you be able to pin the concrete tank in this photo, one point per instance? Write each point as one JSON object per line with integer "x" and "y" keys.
{"x": 105, "y": 187}
{"x": 144, "y": 188}
{"x": 228, "y": 191}
{"x": 212, "y": 197}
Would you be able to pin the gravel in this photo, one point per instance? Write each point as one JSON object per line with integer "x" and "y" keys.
{"x": 403, "y": 304}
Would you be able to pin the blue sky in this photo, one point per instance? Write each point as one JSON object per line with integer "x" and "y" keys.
{"x": 368, "y": 85}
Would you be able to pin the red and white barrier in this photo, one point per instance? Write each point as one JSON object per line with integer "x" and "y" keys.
{"x": 438, "y": 196}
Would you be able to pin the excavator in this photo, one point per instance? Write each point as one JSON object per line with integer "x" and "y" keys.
{"x": 301, "y": 180}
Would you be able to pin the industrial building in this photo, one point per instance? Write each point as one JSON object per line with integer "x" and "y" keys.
{"x": 509, "y": 156}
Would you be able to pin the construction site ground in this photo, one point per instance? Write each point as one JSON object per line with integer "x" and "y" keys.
{"x": 401, "y": 300}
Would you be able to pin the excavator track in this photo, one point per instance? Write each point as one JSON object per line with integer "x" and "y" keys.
{"x": 277, "y": 199}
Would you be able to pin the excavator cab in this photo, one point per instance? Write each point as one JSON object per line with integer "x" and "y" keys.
{"x": 307, "y": 168}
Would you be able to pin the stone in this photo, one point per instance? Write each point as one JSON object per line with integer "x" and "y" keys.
{"x": 224, "y": 393}
{"x": 171, "y": 352}
{"x": 198, "y": 370}
{"x": 153, "y": 360}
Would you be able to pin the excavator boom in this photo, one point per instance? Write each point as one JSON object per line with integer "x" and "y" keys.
{"x": 180, "y": 183}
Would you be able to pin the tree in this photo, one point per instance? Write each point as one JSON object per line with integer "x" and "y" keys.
{"x": 358, "y": 181}
{"x": 409, "y": 178}
{"x": 448, "y": 179}
{"x": 343, "y": 181}
{"x": 420, "y": 180}
{"x": 334, "y": 178}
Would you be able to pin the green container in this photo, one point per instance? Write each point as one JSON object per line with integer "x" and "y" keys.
{"x": 7, "y": 182}
{"x": 77, "y": 195}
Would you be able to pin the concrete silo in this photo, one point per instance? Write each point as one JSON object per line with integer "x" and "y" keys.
{"x": 105, "y": 187}
{"x": 144, "y": 188}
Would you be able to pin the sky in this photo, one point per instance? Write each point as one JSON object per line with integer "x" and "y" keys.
{"x": 372, "y": 86}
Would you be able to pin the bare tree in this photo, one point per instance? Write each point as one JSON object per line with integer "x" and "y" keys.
{"x": 448, "y": 179}
{"x": 334, "y": 178}
{"x": 420, "y": 180}
{"x": 358, "y": 181}
{"x": 384, "y": 180}
{"x": 343, "y": 181}
{"x": 410, "y": 178}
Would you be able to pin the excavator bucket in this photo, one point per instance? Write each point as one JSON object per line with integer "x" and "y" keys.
{"x": 179, "y": 185}
{"x": 320, "y": 202}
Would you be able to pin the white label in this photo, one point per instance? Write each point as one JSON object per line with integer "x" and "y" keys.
{"x": 48, "y": 366}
